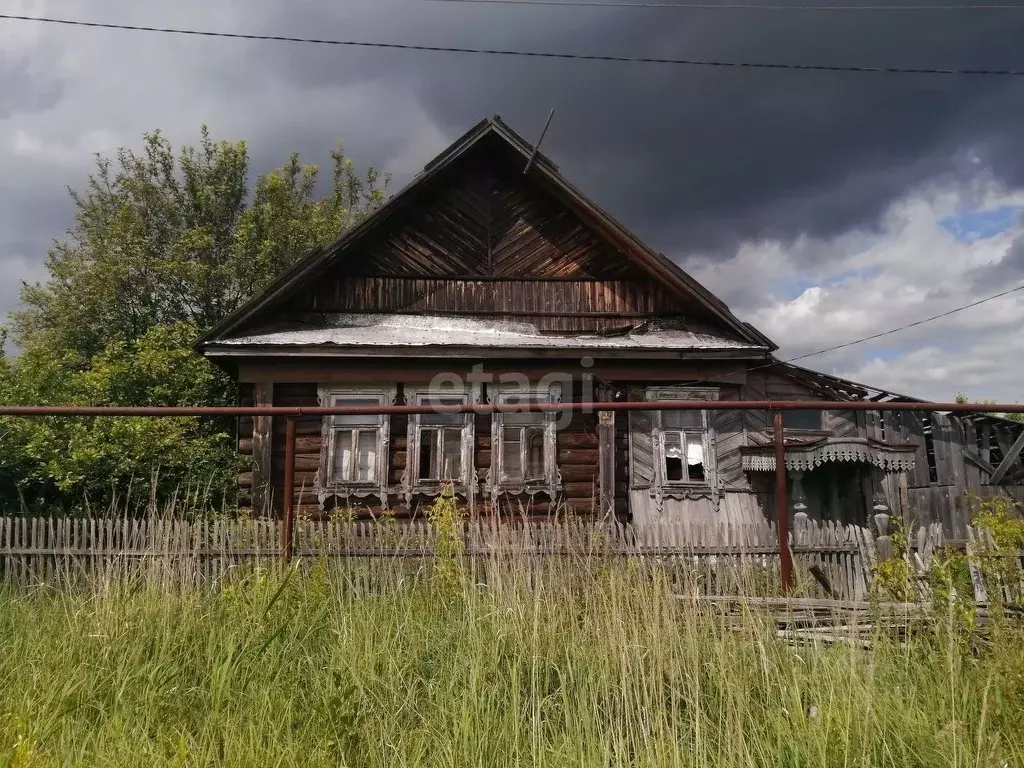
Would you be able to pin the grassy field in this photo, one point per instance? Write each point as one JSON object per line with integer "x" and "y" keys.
{"x": 598, "y": 667}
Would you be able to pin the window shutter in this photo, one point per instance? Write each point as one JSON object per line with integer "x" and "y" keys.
{"x": 641, "y": 449}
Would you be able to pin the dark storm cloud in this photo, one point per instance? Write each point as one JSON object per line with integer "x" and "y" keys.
{"x": 698, "y": 158}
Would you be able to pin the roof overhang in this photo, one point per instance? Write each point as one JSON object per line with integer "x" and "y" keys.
{"x": 376, "y": 335}
{"x": 471, "y": 352}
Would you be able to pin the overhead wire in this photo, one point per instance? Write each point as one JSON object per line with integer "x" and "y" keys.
{"x": 742, "y": 6}
{"x": 598, "y": 57}
{"x": 875, "y": 336}
{"x": 519, "y": 53}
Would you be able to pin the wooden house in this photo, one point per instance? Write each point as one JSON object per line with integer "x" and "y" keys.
{"x": 490, "y": 278}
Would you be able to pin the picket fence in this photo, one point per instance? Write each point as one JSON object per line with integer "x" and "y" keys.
{"x": 830, "y": 560}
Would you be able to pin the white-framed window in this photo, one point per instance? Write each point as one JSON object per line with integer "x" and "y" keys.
{"x": 524, "y": 443}
{"x": 440, "y": 444}
{"x": 672, "y": 449}
{"x": 355, "y": 447}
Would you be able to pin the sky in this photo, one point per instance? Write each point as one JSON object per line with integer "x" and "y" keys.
{"x": 822, "y": 206}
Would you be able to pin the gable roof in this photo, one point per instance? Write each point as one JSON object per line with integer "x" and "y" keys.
{"x": 542, "y": 171}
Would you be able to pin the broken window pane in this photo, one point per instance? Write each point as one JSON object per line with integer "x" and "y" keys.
{"x": 675, "y": 446}
{"x": 440, "y": 454}
{"x": 694, "y": 458}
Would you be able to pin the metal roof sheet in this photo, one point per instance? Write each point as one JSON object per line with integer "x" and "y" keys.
{"x": 380, "y": 330}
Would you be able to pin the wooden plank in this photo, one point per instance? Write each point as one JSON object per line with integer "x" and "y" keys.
{"x": 912, "y": 433}
{"x": 261, "y": 451}
{"x": 943, "y": 442}
{"x": 606, "y": 436}
{"x": 1010, "y": 458}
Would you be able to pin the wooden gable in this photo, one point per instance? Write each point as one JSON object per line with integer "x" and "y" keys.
{"x": 487, "y": 241}
{"x": 479, "y": 235}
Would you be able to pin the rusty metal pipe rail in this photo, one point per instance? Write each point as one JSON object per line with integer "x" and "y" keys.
{"x": 355, "y": 410}
{"x": 291, "y": 413}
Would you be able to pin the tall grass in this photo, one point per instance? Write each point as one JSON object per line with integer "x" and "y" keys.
{"x": 590, "y": 664}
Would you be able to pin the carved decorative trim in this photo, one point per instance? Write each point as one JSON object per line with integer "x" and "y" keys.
{"x": 324, "y": 483}
{"x": 465, "y": 485}
{"x": 552, "y": 482}
{"x": 804, "y": 458}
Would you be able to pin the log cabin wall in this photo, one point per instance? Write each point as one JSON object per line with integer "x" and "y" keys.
{"x": 577, "y": 455}
{"x": 951, "y": 451}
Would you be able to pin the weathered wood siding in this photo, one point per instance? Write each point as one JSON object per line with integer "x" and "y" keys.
{"x": 577, "y": 457}
{"x": 954, "y": 460}
{"x": 550, "y": 305}
{"x": 492, "y": 242}
{"x": 729, "y": 437}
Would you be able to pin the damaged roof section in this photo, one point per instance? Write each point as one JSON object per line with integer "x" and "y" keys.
{"x": 356, "y": 333}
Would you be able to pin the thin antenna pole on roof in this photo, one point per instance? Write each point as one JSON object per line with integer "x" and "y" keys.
{"x": 536, "y": 146}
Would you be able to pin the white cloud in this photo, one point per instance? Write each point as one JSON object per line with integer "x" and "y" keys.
{"x": 911, "y": 269}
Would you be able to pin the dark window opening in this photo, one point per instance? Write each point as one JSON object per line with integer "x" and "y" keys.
{"x": 801, "y": 420}
{"x": 929, "y": 447}
{"x": 440, "y": 454}
{"x": 673, "y": 469}
{"x": 684, "y": 457}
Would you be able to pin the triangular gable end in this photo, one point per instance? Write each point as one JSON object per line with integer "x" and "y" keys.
{"x": 473, "y": 216}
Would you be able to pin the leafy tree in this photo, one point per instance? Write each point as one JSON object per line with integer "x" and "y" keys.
{"x": 962, "y": 398}
{"x": 164, "y": 240}
{"x": 163, "y": 248}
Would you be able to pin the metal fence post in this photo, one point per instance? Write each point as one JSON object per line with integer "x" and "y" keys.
{"x": 782, "y": 505}
{"x": 288, "y": 508}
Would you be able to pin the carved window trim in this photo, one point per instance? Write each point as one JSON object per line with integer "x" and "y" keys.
{"x": 326, "y": 483}
{"x": 658, "y": 483}
{"x": 551, "y": 482}
{"x": 421, "y": 396}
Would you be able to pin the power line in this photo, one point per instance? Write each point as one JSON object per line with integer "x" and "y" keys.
{"x": 741, "y": 6}
{"x": 531, "y": 54}
{"x": 907, "y": 326}
{"x": 880, "y": 335}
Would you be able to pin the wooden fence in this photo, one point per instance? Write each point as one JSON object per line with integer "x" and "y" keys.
{"x": 830, "y": 560}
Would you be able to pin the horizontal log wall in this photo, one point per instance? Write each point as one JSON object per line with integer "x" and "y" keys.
{"x": 552, "y": 305}
{"x": 578, "y": 455}
{"x": 577, "y": 458}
